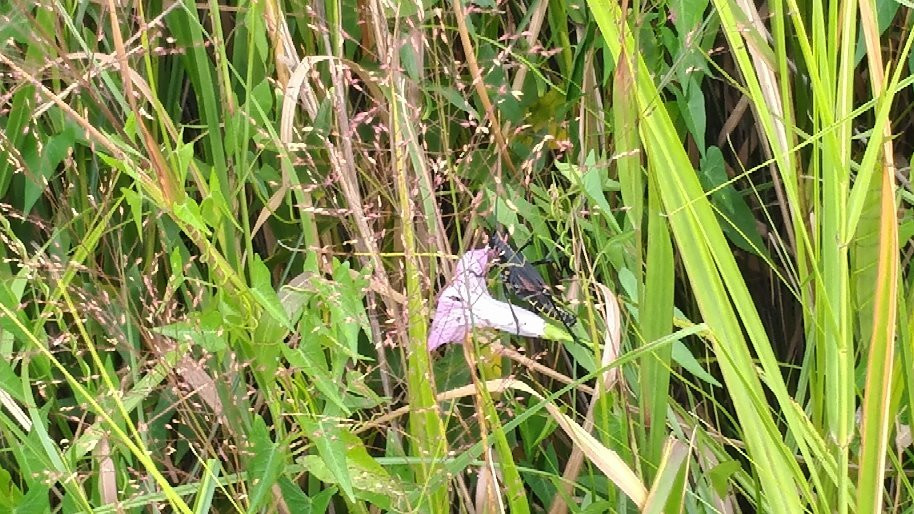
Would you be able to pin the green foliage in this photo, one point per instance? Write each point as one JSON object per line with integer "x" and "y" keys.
{"x": 224, "y": 227}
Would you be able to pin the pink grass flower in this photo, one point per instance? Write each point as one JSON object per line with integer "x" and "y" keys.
{"x": 466, "y": 304}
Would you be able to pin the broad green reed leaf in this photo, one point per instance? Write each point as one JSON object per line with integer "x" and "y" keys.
{"x": 188, "y": 211}
{"x": 682, "y": 356}
{"x": 736, "y": 218}
{"x": 655, "y": 317}
{"x": 266, "y": 461}
{"x": 204, "y": 501}
{"x": 310, "y": 359}
{"x": 296, "y": 499}
{"x": 716, "y": 282}
{"x": 331, "y": 447}
{"x": 370, "y": 481}
{"x": 203, "y": 329}
{"x": 188, "y": 30}
{"x": 43, "y": 163}
{"x": 262, "y": 289}
{"x": 879, "y": 411}
{"x": 668, "y": 491}
{"x": 20, "y": 113}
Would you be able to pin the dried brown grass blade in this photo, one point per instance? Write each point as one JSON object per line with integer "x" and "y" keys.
{"x": 611, "y": 348}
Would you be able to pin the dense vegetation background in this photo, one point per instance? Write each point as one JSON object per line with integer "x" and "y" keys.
{"x": 225, "y": 225}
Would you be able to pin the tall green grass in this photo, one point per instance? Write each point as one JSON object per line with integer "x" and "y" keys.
{"x": 225, "y": 225}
